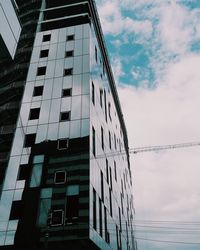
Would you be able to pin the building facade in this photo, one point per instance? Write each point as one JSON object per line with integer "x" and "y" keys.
{"x": 10, "y": 28}
{"x": 67, "y": 180}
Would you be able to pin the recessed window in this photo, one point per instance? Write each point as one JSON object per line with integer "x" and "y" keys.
{"x": 68, "y": 72}
{"x": 16, "y": 210}
{"x": 65, "y": 116}
{"x": 70, "y": 38}
{"x": 63, "y": 144}
{"x": 38, "y": 91}
{"x": 66, "y": 92}
{"x": 60, "y": 177}
{"x": 23, "y": 172}
{"x": 96, "y": 56}
{"x": 93, "y": 93}
{"x": 57, "y": 218}
{"x": 102, "y": 138}
{"x": 46, "y": 38}
{"x": 94, "y": 210}
{"x": 69, "y": 53}
{"x": 44, "y": 53}
{"x": 29, "y": 140}
{"x": 34, "y": 114}
{"x": 41, "y": 71}
{"x": 101, "y": 97}
{"x": 93, "y": 142}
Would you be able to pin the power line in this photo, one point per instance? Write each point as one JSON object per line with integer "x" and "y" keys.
{"x": 169, "y": 241}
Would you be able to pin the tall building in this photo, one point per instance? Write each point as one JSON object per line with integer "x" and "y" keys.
{"x": 65, "y": 173}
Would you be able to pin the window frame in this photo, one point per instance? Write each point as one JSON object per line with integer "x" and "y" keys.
{"x": 65, "y": 177}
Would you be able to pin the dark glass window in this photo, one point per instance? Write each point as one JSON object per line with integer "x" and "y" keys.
{"x": 110, "y": 199}
{"x": 102, "y": 187}
{"x": 107, "y": 174}
{"x": 23, "y": 172}
{"x": 16, "y": 210}
{"x": 44, "y": 53}
{"x": 93, "y": 93}
{"x": 69, "y": 53}
{"x": 38, "y": 91}
{"x": 29, "y": 140}
{"x": 68, "y": 72}
{"x": 66, "y": 92}
{"x": 100, "y": 218}
{"x": 109, "y": 139}
{"x": 34, "y": 114}
{"x": 65, "y": 116}
{"x": 63, "y": 144}
{"x": 41, "y": 71}
{"x": 70, "y": 38}
{"x": 115, "y": 170}
{"x": 102, "y": 138}
{"x": 110, "y": 178}
{"x": 101, "y": 97}
{"x": 57, "y": 217}
{"x": 93, "y": 141}
{"x": 96, "y": 56}
{"x": 94, "y": 210}
{"x": 105, "y": 224}
{"x": 72, "y": 208}
{"x": 109, "y": 110}
{"x": 105, "y": 104}
{"x": 60, "y": 177}
{"x": 72, "y": 203}
{"x": 46, "y": 38}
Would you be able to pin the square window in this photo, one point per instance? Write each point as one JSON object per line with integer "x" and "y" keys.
{"x": 29, "y": 140}
{"x": 66, "y": 92}
{"x": 63, "y": 144}
{"x": 69, "y": 53}
{"x": 34, "y": 114}
{"x": 65, "y": 116}
{"x": 38, "y": 91}
{"x": 57, "y": 218}
{"x": 70, "y": 37}
{"x": 44, "y": 53}
{"x": 68, "y": 72}
{"x": 60, "y": 177}
{"x": 46, "y": 38}
{"x": 41, "y": 71}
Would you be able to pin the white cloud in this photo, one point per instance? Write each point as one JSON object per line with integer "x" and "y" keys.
{"x": 113, "y": 21}
{"x": 166, "y": 184}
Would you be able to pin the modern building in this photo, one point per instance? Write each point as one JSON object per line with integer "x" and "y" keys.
{"x": 65, "y": 174}
{"x": 10, "y": 28}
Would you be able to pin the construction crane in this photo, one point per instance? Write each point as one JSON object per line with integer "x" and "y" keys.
{"x": 163, "y": 147}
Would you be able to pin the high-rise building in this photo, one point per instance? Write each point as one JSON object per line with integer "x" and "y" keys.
{"x": 65, "y": 173}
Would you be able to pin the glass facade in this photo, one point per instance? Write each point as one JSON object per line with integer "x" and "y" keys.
{"x": 10, "y": 29}
{"x": 68, "y": 179}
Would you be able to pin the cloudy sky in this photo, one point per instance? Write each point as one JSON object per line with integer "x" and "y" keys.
{"x": 154, "y": 47}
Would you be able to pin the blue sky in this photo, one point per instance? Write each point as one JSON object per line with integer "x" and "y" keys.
{"x": 154, "y": 47}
